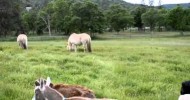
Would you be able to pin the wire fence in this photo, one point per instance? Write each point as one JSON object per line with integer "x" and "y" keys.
{"x": 107, "y": 35}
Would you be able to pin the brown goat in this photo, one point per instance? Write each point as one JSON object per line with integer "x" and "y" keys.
{"x": 45, "y": 90}
{"x": 73, "y": 90}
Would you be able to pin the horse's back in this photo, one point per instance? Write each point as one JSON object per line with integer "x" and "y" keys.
{"x": 21, "y": 37}
{"x": 85, "y": 36}
{"x": 74, "y": 38}
{"x": 78, "y": 38}
{"x": 22, "y": 40}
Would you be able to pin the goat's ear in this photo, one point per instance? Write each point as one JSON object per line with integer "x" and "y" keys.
{"x": 51, "y": 85}
{"x": 37, "y": 83}
{"x": 48, "y": 81}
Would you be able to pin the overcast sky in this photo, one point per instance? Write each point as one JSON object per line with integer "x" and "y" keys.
{"x": 162, "y": 1}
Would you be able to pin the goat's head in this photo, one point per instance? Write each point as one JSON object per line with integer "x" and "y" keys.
{"x": 43, "y": 91}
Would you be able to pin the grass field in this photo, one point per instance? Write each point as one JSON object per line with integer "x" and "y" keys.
{"x": 124, "y": 69}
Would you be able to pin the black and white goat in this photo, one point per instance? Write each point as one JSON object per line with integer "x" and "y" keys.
{"x": 185, "y": 91}
{"x": 44, "y": 92}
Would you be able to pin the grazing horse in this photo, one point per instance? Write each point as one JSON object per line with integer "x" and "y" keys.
{"x": 22, "y": 40}
{"x": 79, "y": 39}
{"x": 43, "y": 91}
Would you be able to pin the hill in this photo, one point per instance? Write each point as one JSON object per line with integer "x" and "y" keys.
{"x": 170, "y": 6}
{"x": 104, "y": 4}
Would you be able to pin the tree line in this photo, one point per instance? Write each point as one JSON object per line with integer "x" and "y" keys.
{"x": 67, "y": 16}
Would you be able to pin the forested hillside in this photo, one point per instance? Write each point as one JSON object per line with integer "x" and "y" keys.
{"x": 92, "y": 16}
{"x": 104, "y": 4}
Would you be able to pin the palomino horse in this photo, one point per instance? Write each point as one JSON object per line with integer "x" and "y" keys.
{"x": 79, "y": 39}
{"x": 43, "y": 91}
{"x": 22, "y": 40}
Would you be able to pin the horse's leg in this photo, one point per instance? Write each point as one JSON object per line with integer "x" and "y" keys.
{"x": 19, "y": 45}
{"x": 75, "y": 46}
{"x": 71, "y": 47}
{"x": 86, "y": 50}
{"x": 84, "y": 47}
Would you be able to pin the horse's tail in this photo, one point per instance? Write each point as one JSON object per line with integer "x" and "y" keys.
{"x": 89, "y": 46}
{"x": 23, "y": 44}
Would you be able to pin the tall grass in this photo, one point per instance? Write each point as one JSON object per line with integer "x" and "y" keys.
{"x": 124, "y": 69}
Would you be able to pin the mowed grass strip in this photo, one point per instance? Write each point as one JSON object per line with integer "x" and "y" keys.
{"x": 123, "y": 69}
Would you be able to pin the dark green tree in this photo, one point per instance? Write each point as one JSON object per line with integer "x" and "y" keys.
{"x": 62, "y": 15}
{"x": 177, "y": 19}
{"x": 150, "y": 18}
{"x": 187, "y": 18}
{"x": 29, "y": 19}
{"x": 89, "y": 17}
{"x": 118, "y": 18}
{"x": 137, "y": 13}
{"x": 162, "y": 18}
{"x": 9, "y": 16}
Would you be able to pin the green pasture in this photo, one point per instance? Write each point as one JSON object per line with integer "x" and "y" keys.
{"x": 123, "y": 69}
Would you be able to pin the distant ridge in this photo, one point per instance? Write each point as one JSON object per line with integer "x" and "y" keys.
{"x": 170, "y": 6}
{"x": 167, "y": 6}
{"x": 105, "y": 4}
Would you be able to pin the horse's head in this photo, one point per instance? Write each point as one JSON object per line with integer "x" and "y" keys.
{"x": 70, "y": 46}
{"x": 43, "y": 91}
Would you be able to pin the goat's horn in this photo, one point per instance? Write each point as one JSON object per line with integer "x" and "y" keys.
{"x": 48, "y": 81}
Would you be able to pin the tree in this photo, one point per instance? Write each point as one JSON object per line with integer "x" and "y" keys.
{"x": 177, "y": 19}
{"x": 137, "y": 13}
{"x": 89, "y": 16}
{"x": 9, "y": 16}
{"x": 150, "y": 18}
{"x": 29, "y": 20}
{"x": 118, "y": 17}
{"x": 62, "y": 15}
{"x": 187, "y": 14}
{"x": 46, "y": 14}
{"x": 162, "y": 18}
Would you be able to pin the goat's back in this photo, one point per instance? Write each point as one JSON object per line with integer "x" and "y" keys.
{"x": 73, "y": 90}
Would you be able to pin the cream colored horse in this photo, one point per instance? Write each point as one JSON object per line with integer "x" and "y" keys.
{"x": 22, "y": 41}
{"x": 77, "y": 40}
